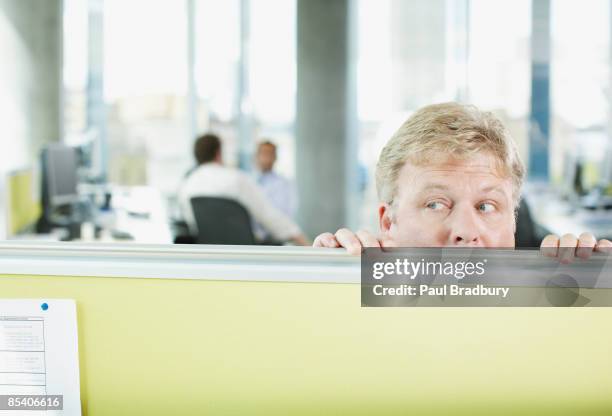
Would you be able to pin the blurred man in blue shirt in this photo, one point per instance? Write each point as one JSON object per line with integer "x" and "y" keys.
{"x": 280, "y": 191}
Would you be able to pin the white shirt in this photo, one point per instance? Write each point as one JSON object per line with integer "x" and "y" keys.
{"x": 215, "y": 180}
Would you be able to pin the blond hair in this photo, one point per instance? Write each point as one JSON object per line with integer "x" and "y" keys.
{"x": 449, "y": 130}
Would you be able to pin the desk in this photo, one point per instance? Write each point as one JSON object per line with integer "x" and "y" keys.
{"x": 279, "y": 330}
{"x": 561, "y": 217}
{"x": 138, "y": 212}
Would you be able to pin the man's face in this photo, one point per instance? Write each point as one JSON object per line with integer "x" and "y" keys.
{"x": 451, "y": 203}
{"x": 266, "y": 156}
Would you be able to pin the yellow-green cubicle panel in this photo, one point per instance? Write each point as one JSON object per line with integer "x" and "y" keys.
{"x": 22, "y": 208}
{"x": 202, "y": 342}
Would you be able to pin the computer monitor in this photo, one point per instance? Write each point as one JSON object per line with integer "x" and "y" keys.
{"x": 59, "y": 168}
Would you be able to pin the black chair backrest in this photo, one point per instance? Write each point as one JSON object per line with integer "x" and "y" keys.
{"x": 526, "y": 235}
{"x": 222, "y": 221}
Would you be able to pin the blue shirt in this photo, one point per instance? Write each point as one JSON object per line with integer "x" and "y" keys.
{"x": 280, "y": 192}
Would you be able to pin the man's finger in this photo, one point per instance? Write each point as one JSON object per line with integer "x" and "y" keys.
{"x": 387, "y": 242}
{"x": 367, "y": 239}
{"x": 348, "y": 240}
{"x": 586, "y": 245}
{"x": 604, "y": 246}
{"x": 326, "y": 240}
{"x": 567, "y": 248}
{"x": 550, "y": 246}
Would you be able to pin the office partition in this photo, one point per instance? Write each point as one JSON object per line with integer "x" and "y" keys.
{"x": 219, "y": 330}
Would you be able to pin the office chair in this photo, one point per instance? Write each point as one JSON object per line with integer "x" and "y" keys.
{"x": 222, "y": 221}
{"x": 528, "y": 234}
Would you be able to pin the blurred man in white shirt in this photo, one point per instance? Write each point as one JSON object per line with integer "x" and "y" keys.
{"x": 279, "y": 190}
{"x": 212, "y": 178}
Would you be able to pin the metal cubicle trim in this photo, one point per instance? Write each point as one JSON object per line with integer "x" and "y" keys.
{"x": 211, "y": 262}
{"x": 253, "y": 263}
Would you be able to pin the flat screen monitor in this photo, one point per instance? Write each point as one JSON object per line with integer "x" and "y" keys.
{"x": 60, "y": 166}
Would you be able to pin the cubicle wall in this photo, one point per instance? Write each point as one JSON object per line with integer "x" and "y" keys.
{"x": 245, "y": 331}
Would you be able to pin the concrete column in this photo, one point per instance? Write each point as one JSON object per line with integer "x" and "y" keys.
{"x": 322, "y": 117}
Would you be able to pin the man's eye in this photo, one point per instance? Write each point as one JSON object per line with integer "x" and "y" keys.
{"x": 435, "y": 205}
{"x": 486, "y": 207}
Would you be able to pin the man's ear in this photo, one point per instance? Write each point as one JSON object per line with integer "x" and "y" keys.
{"x": 384, "y": 217}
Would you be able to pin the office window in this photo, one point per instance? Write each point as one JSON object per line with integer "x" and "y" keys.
{"x": 245, "y": 76}
{"x": 145, "y": 86}
{"x": 75, "y": 68}
{"x": 272, "y": 77}
{"x": 217, "y": 71}
{"x": 580, "y": 91}
{"x": 499, "y": 63}
{"x": 412, "y": 54}
{"x": 402, "y": 61}
{"x": 128, "y": 72}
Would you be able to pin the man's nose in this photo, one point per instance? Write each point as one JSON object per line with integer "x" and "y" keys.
{"x": 464, "y": 227}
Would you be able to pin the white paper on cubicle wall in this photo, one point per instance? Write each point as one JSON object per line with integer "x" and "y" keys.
{"x": 39, "y": 355}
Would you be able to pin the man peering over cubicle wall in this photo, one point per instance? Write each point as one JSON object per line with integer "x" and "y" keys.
{"x": 451, "y": 175}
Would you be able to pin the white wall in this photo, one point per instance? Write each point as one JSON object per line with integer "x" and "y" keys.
{"x": 30, "y": 83}
{"x": 14, "y": 75}
{"x": 30, "y": 78}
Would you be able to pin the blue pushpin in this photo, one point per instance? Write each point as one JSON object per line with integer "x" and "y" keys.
{"x": 44, "y": 306}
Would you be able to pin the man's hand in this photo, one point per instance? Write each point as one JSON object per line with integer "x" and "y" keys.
{"x": 569, "y": 246}
{"x": 353, "y": 242}
{"x": 566, "y": 248}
